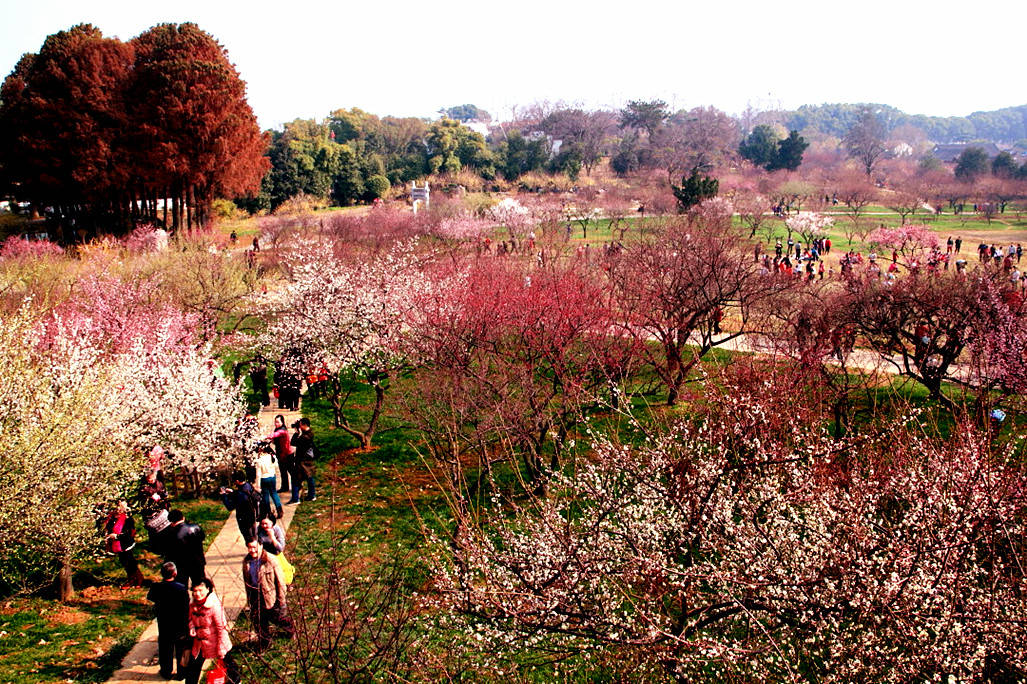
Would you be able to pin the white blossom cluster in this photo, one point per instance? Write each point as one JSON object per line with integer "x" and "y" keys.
{"x": 722, "y": 549}
{"x": 343, "y": 315}
{"x": 78, "y": 412}
{"x": 809, "y": 223}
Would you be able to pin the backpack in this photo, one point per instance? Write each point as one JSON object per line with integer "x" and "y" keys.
{"x": 252, "y": 497}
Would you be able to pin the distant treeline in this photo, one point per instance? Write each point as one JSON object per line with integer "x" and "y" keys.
{"x": 1002, "y": 125}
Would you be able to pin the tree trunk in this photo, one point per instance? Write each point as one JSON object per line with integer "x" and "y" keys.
{"x": 65, "y": 589}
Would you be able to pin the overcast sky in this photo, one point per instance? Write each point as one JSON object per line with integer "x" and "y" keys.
{"x": 305, "y": 58}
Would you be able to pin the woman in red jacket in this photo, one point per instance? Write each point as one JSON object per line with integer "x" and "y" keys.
{"x": 120, "y": 539}
{"x": 284, "y": 452}
{"x": 209, "y": 629}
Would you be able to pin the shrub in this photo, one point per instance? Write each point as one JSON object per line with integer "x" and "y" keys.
{"x": 544, "y": 182}
{"x": 301, "y": 204}
{"x": 224, "y": 208}
{"x": 377, "y": 187}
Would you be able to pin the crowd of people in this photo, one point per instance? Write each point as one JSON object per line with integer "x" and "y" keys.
{"x": 191, "y": 621}
{"x": 807, "y": 261}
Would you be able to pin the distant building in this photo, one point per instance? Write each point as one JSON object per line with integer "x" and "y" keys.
{"x": 949, "y": 152}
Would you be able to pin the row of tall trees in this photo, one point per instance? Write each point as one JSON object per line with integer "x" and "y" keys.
{"x": 103, "y": 132}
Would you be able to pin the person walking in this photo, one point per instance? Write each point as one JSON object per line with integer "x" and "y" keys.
{"x": 245, "y": 502}
{"x": 170, "y": 601}
{"x": 284, "y": 452}
{"x": 187, "y": 548}
{"x": 265, "y": 464}
{"x": 153, "y": 506}
{"x": 120, "y": 540}
{"x": 258, "y": 376}
{"x": 265, "y": 593}
{"x": 208, "y": 627}
{"x": 306, "y": 453}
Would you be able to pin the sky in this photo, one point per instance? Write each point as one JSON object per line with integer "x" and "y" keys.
{"x": 307, "y": 58}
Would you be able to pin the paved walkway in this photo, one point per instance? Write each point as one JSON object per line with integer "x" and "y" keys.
{"x": 224, "y": 563}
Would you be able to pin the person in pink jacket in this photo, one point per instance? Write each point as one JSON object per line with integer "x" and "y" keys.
{"x": 209, "y": 628}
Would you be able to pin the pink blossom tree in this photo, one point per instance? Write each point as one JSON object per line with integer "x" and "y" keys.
{"x": 910, "y": 241}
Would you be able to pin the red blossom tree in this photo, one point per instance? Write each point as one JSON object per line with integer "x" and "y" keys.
{"x": 513, "y": 356}
{"x": 672, "y": 291}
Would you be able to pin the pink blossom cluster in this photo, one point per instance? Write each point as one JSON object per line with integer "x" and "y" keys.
{"x": 904, "y": 238}
{"x": 146, "y": 238}
{"x": 16, "y": 247}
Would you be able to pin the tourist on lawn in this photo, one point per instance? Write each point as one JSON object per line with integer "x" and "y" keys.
{"x": 187, "y": 548}
{"x": 245, "y": 502}
{"x": 153, "y": 506}
{"x": 303, "y": 442}
{"x": 120, "y": 540}
{"x": 170, "y": 601}
{"x": 265, "y": 593}
{"x": 209, "y": 628}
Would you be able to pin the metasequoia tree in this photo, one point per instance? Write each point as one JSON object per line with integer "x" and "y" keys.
{"x": 198, "y": 135}
{"x": 747, "y": 545}
{"x": 102, "y": 131}
{"x": 64, "y": 114}
{"x": 672, "y": 289}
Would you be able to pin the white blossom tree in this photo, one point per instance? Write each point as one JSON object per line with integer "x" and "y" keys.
{"x": 78, "y": 409}
{"x": 346, "y": 316}
{"x": 746, "y": 546}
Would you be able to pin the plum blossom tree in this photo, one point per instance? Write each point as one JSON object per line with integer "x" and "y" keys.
{"x": 748, "y": 545}
{"x": 346, "y": 315}
{"x": 961, "y": 329}
{"x": 810, "y": 225}
{"x": 910, "y": 241}
{"x": 87, "y": 391}
{"x": 671, "y": 290}
{"x": 753, "y": 209}
{"x": 512, "y": 357}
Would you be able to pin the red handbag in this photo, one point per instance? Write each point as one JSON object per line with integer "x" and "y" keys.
{"x": 218, "y": 674}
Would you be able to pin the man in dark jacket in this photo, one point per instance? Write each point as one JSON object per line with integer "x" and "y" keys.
{"x": 171, "y": 608}
{"x": 245, "y": 501}
{"x": 306, "y": 453}
{"x": 186, "y": 548}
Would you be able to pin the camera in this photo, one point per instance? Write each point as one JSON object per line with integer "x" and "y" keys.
{"x": 296, "y": 425}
